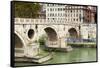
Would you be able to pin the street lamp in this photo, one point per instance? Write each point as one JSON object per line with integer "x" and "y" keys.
{"x": 36, "y": 27}
{"x": 88, "y": 32}
{"x": 79, "y": 31}
{"x": 81, "y": 18}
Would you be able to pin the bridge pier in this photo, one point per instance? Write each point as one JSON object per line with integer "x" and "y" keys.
{"x": 62, "y": 43}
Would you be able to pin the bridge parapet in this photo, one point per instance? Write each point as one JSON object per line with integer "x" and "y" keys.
{"x": 29, "y": 21}
{"x": 42, "y": 21}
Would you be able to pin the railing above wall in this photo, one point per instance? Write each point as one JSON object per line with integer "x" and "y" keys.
{"x": 46, "y": 21}
{"x": 29, "y": 21}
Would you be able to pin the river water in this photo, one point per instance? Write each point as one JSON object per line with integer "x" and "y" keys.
{"x": 77, "y": 55}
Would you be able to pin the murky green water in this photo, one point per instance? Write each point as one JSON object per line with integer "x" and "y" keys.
{"x": 77, "y": 55}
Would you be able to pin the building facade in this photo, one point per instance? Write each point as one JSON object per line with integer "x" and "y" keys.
{"x": 55, "y": 12}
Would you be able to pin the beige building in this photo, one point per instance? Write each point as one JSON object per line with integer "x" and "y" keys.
{"x": 80, "y": 14}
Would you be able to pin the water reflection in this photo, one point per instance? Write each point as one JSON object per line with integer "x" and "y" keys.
{"x": 77, "y": 55}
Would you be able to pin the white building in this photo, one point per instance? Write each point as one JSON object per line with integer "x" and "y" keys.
{"x": 55, "y": 12}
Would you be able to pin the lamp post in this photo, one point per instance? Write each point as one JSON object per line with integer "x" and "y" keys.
{"x": 36, "y": 27}
{"x": 81, "y": 20}
{"x": 88, "y": 32}
{"x": 79, "y": 31}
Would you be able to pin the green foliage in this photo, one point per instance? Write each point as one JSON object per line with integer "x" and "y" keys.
{"x": 27, "y": 9}
{"x": 42, "y": 40}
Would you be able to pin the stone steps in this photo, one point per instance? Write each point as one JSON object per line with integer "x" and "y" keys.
{"x": 65, "y": 49}
{"x": 36, "y": 59}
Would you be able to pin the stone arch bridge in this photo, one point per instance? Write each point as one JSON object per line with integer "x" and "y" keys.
{"x": 27, "y": 31}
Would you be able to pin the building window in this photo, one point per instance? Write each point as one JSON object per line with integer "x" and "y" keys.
{"x": 66, "y": 15}
{"x": 74, "y": 19}
{"x": 55, "y": 9}
{"x": 52, "y": 9}
{"x": 80, "y": 10}
{"x": 47, "y": 4}
{"x": 67, "y": 11}
{"x": 77, "y": 10}
{"x": 55, "y": 14}
{"x": 52, "y": 4}
{"x": 76, "y": 15}
{"x": 48, "y": 14}
{"x": 58, "y": 14}
{"x": 74, "y": 11}
{"x": 58, "y": 9}
{"x": 48, "y": 9}
{"x": 80, "y": 17}
{"x": 71, "y": 15}
{"x": 71, "y": 11}
{"x": 61, "y": 14}
{"x": 66, "y": 8}
{"x": 63, "y": 9}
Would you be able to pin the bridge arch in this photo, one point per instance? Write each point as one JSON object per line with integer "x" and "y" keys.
{"x": 19, "y": 45}
{"x": 51, "y": 33}
{"x": 73, "y": 33}
{"x": 21, "y": 38}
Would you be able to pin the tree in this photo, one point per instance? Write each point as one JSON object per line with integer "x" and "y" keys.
{"x": 27, "y": 9}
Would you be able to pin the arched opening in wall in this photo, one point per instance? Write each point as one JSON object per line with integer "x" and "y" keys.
{"x": 73, "y": 33}
{"x": 30, "y": 33}
{"x": 18, "y": 46}
{"x": 51, "y": 33}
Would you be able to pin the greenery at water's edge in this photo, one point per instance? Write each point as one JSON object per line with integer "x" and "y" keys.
{"x": 42, "y": 41}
